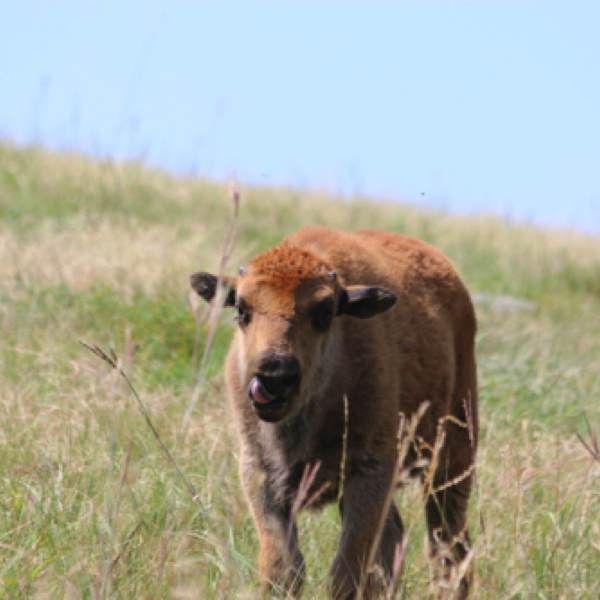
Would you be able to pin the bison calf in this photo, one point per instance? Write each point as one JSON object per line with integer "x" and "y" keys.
{"x": 386, "y": 321}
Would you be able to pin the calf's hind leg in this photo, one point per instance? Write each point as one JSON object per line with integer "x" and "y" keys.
{"x": 447, "y": 536}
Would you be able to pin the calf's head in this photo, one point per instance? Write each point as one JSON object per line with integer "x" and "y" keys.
{"x": 288, "y": 303}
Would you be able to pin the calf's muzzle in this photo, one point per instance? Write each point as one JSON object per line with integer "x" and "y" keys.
{"x": 275, "y": 380}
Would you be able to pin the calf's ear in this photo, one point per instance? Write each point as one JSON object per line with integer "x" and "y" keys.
{"x": 205, "y": 285}
{"x": 365, "y": 302}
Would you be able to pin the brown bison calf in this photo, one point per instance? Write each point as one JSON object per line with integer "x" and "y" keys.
{"x": 384, "y": 320}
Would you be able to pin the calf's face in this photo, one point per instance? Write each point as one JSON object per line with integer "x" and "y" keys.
{"x": 287, "y": 307}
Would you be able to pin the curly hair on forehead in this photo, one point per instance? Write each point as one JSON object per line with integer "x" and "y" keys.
{"x": 286, "y": 267}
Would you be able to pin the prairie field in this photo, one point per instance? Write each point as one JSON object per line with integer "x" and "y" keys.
{"x": 90, "y": 506}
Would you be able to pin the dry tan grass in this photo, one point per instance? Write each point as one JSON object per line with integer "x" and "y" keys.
{"x": 124, "y": 256}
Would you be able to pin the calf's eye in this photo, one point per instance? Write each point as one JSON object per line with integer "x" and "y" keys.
{"x": 323, "y": 319}
{"x": 242, "y": 315}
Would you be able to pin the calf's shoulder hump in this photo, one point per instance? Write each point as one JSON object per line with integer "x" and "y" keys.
{"x": 371, "y": 256}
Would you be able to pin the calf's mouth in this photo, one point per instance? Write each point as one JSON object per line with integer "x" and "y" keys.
{"x": 275, "y": 382}
{"x": 268, "y": 407}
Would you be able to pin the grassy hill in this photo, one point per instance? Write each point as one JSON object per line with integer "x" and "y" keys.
{"x": 89, "y": 506}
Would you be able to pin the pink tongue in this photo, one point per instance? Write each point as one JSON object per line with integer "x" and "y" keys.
{"x": 256, "y": 393}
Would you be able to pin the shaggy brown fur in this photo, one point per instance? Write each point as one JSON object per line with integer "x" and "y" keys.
{"x": 385, "y": 320}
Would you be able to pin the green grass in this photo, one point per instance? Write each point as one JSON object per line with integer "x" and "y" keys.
{"x": 89, "y": 506}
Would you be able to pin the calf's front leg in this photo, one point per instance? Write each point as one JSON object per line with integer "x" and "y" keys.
{"x": 281, "y": 564}
{"x": 362, "y": 506}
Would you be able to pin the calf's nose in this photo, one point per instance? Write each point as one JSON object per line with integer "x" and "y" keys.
{"x": 279, "y": 374}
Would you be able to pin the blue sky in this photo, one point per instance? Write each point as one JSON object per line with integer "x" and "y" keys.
{"x": 469, "y": 106}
